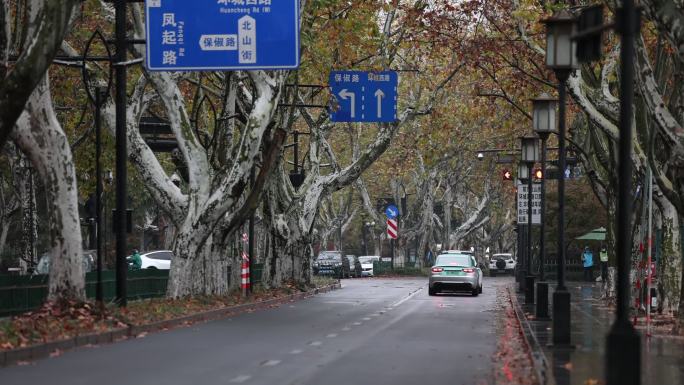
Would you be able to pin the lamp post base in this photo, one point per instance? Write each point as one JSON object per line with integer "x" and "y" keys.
{"x": 521, "y": 280}
{"x": 623, "y": 355}
{"x": 542, "y": 310}
{"x": 529, "y": 289}
{"x": 561, "y": 317}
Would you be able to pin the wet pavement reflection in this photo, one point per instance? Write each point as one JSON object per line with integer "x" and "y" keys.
{"x": 662, "y": 357}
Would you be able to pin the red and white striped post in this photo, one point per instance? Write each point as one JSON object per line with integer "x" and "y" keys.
{"x": 245, "y": 268}
{"x": 392, "y": 234}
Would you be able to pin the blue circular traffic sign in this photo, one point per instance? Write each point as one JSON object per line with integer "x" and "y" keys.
{"x": 391, "y": 211}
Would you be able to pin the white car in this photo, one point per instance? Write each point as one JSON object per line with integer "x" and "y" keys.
{"x": 366, "y": 262}
{"x": 501, "y": 263}
{"x": 160, "y": 259}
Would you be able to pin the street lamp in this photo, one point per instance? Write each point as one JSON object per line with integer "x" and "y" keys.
{"x": 529, "y": 155}
{"x": 561, "y": 58}
{"x": 544, "y": 123}
{"x": 523, "y": 176}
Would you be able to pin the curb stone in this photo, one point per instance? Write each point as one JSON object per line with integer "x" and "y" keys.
{"x": 35, "y": 352}
{"x": 541, "y": 364}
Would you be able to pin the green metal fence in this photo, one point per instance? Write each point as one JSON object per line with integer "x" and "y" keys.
{"x": 20, "y": 294}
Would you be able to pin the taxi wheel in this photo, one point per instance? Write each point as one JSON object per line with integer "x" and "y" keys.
{"x": 432, "y": 291}
{"x": 475, "y": 292}
{"x": 480, "y": 290}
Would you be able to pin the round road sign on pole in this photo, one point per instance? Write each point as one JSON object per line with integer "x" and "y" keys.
{"x": 392, "y": 211}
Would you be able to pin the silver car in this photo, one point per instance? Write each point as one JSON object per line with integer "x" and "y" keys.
{"x": 455, "y": 272}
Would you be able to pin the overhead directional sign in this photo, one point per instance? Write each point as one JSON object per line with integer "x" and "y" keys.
{"x": 392, "y": 211}
{"x": 217, "y": 35}
{"x": 363, "y": 96}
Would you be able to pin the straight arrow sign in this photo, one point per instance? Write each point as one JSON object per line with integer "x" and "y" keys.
{"x": 344, "y": 94}
{"x": 379, "y": 95}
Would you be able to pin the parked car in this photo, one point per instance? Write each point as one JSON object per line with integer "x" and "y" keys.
{"x": 160, "y": 259}
{"x": 331, "y": 263}
{"x": 367, "y": 264}
{"x": 501, "y": 263}
{"x": 88, "y": 261}
{"x": 455, "y": 272}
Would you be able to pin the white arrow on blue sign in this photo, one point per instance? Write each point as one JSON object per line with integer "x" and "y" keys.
{"x": 364, "y": 96}
{"x": 221, "y": 35}
{"x": 392, "y": 211}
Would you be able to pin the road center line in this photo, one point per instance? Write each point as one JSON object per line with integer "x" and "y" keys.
{"x": 240, "y": 379}
{"x": 406, "y": 298}
{"x": 270, "y": 363}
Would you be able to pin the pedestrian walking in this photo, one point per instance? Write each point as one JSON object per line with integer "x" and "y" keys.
{"x": 603, "y": 255}
{"x": 134, "y": 261}
{"x": 588, "y": 262}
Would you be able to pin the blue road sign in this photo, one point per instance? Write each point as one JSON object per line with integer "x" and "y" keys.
{"x": 392, "y": 211}
{"x": 363, "y": 96}
{"x": 218, "y": 35}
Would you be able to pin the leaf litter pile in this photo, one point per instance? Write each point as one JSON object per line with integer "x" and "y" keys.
{"x": 512, "y": 362}
{"x": 60, "y": 321}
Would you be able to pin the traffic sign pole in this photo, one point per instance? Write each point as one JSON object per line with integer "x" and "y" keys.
{"x": 392, "y": 228}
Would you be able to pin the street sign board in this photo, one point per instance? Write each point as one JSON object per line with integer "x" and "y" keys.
{"x": 363, "y": 96}
{"x": 392, "y": 211}
{"x": 392, "y": 228}
{"x": 522, "y": 203}
{"x": 222, "y": 35}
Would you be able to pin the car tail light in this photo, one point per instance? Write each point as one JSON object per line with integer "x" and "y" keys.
{"x": 468, "y": 270}
{"x": 437, "y": 270}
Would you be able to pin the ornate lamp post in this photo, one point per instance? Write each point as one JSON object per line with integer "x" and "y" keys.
{"x": 529, "y": 155}
{"x": 523, "y": 177}
{"x": 544, "y": 123}
{"x": 561, "y": 58}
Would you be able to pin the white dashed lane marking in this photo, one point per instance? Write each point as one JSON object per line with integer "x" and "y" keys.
{"x": 357, "y": 323}
{"x": 240, "y": 379}
{"x": 296, "y": 351}
{"x": 270, "y": 363}
{"x": 346, "y": 329}
{"x": 366, "y": 318}
{"x": 331, "y": 335}
{"x": 316, "y": 343}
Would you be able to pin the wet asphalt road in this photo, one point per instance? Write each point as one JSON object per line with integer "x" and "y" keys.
{"x": 372, "y": 331}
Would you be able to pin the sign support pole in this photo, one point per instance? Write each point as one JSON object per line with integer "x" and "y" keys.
{"x": 529, "y": 278}
{"x": 121, "y": 154}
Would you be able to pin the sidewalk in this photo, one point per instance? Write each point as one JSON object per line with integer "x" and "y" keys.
{"x": 662, "y": 356}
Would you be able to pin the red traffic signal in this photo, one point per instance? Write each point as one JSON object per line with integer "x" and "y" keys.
{"x": 507, "y": 175}
{"x": 538, "y": 174}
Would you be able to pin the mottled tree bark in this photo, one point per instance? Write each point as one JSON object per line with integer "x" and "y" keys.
{"x": 49, "y": 22}
{"x": 39, "y": 135}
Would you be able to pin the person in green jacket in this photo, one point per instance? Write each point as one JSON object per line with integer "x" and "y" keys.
{"x": 134, "y": 261}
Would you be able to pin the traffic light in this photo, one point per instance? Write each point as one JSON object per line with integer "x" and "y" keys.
{"x": 538, "y": 174}
{"x": 507, "y": 175}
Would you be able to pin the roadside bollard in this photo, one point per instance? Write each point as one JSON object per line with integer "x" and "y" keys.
{"x": 529, "y": 289}
{"x": 542, "y": 300}
{"x": 245, "y": 274}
